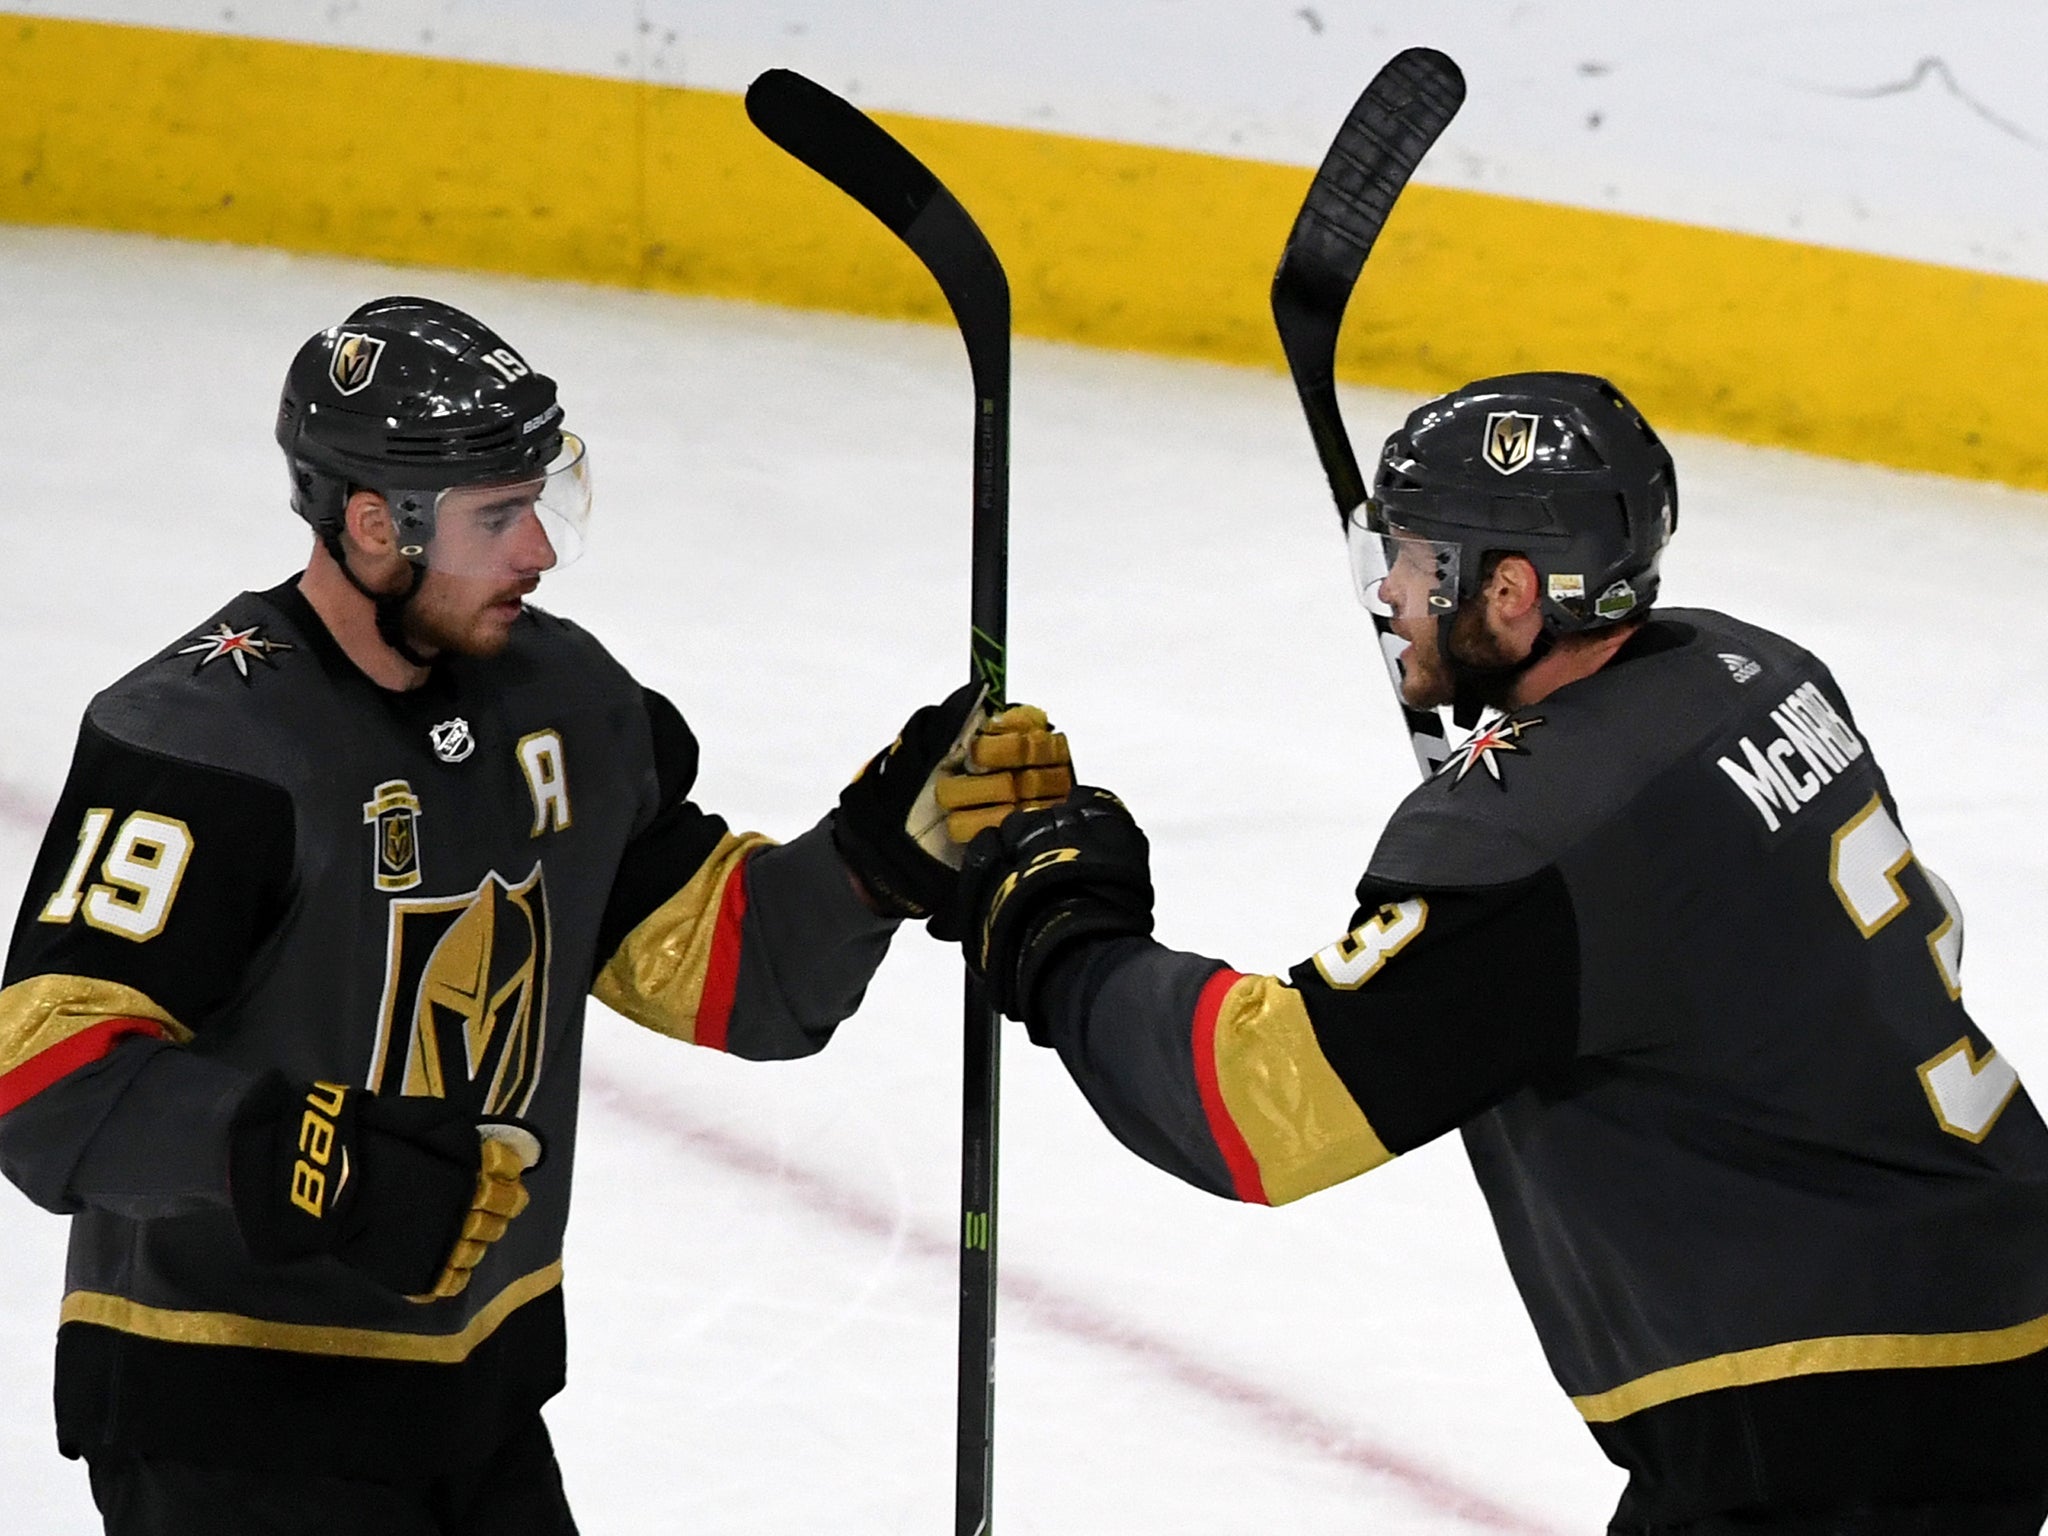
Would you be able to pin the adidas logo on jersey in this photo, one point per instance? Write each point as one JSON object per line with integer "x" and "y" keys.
{"x": 1815, "y": 734}
{"x": 1740, "y": 667}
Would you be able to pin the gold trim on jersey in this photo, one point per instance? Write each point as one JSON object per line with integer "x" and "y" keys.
{"x": 48, "y": 1010}
{"x": 173, "y": 1327}
{"x": 656, "y": 976}
{"x": 1813, "y": 1357}
{"x": 1303, "y": 1127}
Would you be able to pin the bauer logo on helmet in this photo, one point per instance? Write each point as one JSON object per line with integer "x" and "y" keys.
{"x": 355, "y": 361}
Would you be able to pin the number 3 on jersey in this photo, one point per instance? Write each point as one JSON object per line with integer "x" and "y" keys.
{"x": 139, "y": 877}
{"x": 1868, "y": 855}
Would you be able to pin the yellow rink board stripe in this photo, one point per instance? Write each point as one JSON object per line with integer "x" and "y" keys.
{"x": 465, "y": 165}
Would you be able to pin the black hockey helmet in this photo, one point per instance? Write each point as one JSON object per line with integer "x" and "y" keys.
{"x": 1556, "y": 467}
{"x": 410, "y": 397}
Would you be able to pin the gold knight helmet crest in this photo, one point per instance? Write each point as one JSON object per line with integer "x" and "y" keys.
{"x": 355, "y": 361}
{"x": 1510, "y": 440}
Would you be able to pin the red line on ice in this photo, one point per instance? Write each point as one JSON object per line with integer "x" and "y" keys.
{"x": 22, "y": 809}
{"x": 1049, "y": 1307}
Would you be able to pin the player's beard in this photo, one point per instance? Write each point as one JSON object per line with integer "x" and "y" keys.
{"x": 439, "y": 619}
{"x": 1481, "y": 670}
{"x": 1478, "y": 668}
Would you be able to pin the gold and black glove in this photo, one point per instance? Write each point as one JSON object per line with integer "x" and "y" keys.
{"x": 411, "y": 1191}
{"x": 903, "y": 824}
{"x": 1046, "y": 880}
{"x": 1015, "y": 762}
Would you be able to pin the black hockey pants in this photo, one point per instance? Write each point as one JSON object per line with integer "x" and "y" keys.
{"x": 517, "y": 1492}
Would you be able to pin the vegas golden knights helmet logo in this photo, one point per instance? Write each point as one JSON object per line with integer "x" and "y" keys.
{"x": 466, "y": 997}
{"x": 1510, "y": 440}
{"x": 355, "y": 361}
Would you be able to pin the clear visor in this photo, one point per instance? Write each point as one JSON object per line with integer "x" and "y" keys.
{"x": 1398, "y": 574}
{"x": 511, "y": 529}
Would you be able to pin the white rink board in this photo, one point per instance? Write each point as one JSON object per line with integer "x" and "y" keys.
{"x": 760, "y": 1266}
{"x": 1914, "y": 129}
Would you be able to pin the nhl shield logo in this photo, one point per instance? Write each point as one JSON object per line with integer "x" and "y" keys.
{"x": 1510, "y": 440}
{"x": 355, "y": 361}
{"x": 394, "y": 811}
{"x": 451, "y": 739}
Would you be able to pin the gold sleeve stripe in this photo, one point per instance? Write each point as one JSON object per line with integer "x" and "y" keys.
{"x": 1302, "y": 1127}
{"x": 125, "y": 1316}
{"x": 50, "y": 1026}
{"x": 1814, "y": 1357}
{"x": 675, "y": 972}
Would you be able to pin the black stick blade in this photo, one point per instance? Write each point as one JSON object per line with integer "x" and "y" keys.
{"x": 842, "y": 144}
{"x": 1395, "y": 121}
{"x": 1391, "y": 127}
{"x": 857, "y": 155}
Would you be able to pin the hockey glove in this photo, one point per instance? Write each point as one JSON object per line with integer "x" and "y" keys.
{"x": 1015, "y": 762}
{"x": 1046, "y": 880}
{"x": 903, "y": 824}
{"x": 411, "y": 1191}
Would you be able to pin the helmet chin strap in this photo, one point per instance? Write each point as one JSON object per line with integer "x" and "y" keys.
{"x": 1478, "y": 686}
{"x": 389, "y": 606}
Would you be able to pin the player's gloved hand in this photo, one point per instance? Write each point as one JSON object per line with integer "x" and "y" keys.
{"x": 903, "y": 824}
{"x": 1048, "y": 879}
{"x": 411, "y": 1191}
{"x": 1015, "y": 762}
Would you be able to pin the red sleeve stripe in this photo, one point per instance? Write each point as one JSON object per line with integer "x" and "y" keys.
{"x": 722, "y": 968}
{"x": 1237, "y": 1154}
{"x": 67, "y": 1056}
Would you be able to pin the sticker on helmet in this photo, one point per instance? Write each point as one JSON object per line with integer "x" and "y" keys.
{"x": 1567, "y": 587}
{"x": 1616, "y": 601}
{"x": 355, "y": 361}
{"x": 1510, "y": 440}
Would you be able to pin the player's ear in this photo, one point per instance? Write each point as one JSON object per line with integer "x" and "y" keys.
{"x": 1514, "y": 588}
{"x": 367, "y": 521}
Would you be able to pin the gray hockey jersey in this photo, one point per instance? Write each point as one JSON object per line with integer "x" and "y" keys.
{"x": 264, "y": 862}
{"x": 1659, "y": 946}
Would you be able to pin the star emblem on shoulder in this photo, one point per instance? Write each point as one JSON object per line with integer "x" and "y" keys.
{"x": 1485, "y": 746}
{"x": 235, "y": 645}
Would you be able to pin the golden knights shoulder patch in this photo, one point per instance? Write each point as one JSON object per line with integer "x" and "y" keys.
{"x": 464, "y": 1014}
{"x": 394, "y": 810}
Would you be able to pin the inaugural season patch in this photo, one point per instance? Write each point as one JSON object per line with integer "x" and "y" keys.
{"x": 1485, "y": 746}
{"x": 394, "y": 811}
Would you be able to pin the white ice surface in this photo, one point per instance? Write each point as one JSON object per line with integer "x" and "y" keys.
{"x": 760, "y": 1266}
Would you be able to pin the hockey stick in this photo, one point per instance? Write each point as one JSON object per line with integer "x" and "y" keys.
{"x": 854, "y": 153}
{"x": 1409, "y": 103}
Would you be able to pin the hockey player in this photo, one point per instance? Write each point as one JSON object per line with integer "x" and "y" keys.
{"x": 292, "y": 1017}
{"x": 1655, "y": 941}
